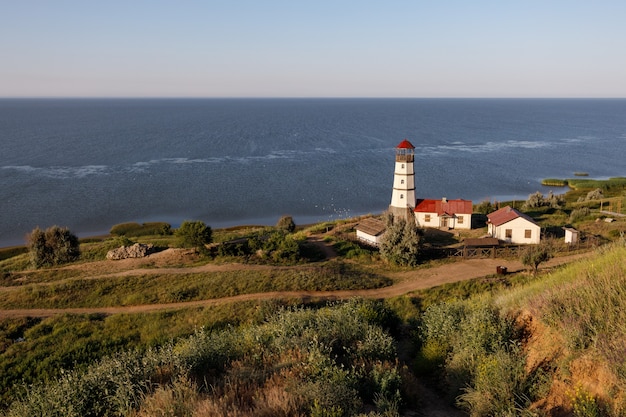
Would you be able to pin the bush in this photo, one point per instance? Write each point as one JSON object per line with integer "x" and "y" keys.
{"x": 145, "y": 229}
{"x": 194, "y": 234}
{"x": 401, "y": 242}
{"x": 277, "y": 247}
{"x": 286, "y": 223}
{"x": 479, "y": 352}
{"x": 310, "y": 362}
{"x": 579, "y": 214}
{"x": 53, "y": 246}
{"x": 538, "y": 200}
{"x": 535, "y": 255}
{"x": 484, "y": 207}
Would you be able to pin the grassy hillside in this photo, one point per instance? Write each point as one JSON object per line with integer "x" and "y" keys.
{"x": 519, "y": 345}
{"x": 546, "y": 345}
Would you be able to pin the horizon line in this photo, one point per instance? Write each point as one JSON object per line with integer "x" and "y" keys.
{"x": 311, "y": 97}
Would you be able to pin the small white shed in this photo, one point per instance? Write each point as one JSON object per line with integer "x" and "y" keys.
{"x": 370, "y": 231}
{"x": 571, "y": 235}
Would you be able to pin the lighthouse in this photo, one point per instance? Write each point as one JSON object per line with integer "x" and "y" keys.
{"x": 403, "y": 195}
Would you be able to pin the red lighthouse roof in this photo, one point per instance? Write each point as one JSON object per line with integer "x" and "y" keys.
{"x": 405, "y": 144}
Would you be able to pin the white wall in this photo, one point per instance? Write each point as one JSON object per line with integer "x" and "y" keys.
{"x": 403, "y": 195}
{"x": 373, "y": 240}
{"x": 518, "y": 229}
{"x": 435, "y": 221}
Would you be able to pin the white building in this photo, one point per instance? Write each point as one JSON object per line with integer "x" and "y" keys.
{"x": 512, "y": 226}
{"x": 571, "y": 235}
{"x": 444, "y": 213}
{"x": 370, "y": 231}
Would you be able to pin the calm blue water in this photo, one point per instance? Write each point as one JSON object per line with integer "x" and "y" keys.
{"x": 89, "y": 164}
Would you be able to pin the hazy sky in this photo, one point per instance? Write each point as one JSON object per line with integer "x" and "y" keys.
{"x": 317, "y": 48}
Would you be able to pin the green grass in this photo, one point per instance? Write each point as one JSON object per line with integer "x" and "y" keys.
{"x": 75, "y": 341}
{"x": 616, "y": 183}
{"x": 588, "y": 307}
{"x": 172, "y": 288}
{"x": 554, "y": 182}
{"x": 332, "y": 358}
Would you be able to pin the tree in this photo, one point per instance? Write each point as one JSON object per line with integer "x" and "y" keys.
{"x": 484, "y": 207}
{"x": 286, "y": 223}
{"x": 534, "y": 255}
{"x": 194, "y": 234}
{"x": 401, "y": 242}
{"x": 53, "y": 246}
{"x": 537, "y": 199}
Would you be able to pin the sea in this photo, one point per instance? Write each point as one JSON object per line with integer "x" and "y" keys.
{"x": 89, "y": 164}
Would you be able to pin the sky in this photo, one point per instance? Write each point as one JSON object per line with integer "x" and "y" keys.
{"x": 317, "y": 48}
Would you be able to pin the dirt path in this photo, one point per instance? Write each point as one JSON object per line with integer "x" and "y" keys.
{"x": 406, "y": 282}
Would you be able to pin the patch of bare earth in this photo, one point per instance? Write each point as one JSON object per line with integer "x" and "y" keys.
{"x": 546, "y": 349}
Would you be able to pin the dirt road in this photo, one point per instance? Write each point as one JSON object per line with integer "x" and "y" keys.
{"x": 406, "y": 282}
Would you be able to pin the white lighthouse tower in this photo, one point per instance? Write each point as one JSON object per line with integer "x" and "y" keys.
{"x": 403, "y": 196}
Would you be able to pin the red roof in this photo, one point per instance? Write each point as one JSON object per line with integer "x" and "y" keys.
{"x": 405, "y": 144}
{"x": 443, "y": 206}
{"x": 505, "y": 215}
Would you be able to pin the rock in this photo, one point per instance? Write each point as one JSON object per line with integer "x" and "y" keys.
{"x": 138, "y": 250}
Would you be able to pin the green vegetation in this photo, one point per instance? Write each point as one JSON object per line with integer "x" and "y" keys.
{"x": 53, "y": 246}
{"x": 476, "y": 342}
{"x": 144, "y": 229}
{"x": 554, "y": 182}
{"x": 535, "y": 255}
{"x": 615, "y": 183}
{"x": 286, "y": 223}
{"x": 6, "y": 253}
{"x": 333, "y": 360}
{"x": 538, "y": 200}
{"x": 339, "y": 359}
{"x": 612, "y": 184}
{"x": 401, "y": 242}
{"x": 194, "y": 234}
{"x": 155, "y": 288}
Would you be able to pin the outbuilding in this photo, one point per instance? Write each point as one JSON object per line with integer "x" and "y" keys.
{"x": 370, "y": 230}
{"x": 571, "y": 235}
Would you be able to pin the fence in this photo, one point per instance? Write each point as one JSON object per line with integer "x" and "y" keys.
{"x": 487, "y": 252}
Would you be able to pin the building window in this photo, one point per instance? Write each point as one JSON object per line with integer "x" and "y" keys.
{"x": 402, "y": 166}
{"x": 528, "y": 233}
{"x": 401, "y": 181}
{"x": 427, "y": 218}
{"x": 460, "y": 220}
{"x": 401, "y": 196}
{"x": 508, "y": 233}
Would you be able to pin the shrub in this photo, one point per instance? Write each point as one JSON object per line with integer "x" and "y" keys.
{"x": 578, "y": 214}
{"x": 286, "y": 223}
{"x": 311, "y": 361}
{"x": 484, "y": 207}
{"x": 53, "y": 246}
{"x": 535, "y": 255}
{"x": 538, "y": 200}
{"x": 277, "y": 247}
{"x": 194, "y": 234}
{"x": 401, "y": 242}
{"x": 145, "y": 229}
{"x": 500, "y": 385}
